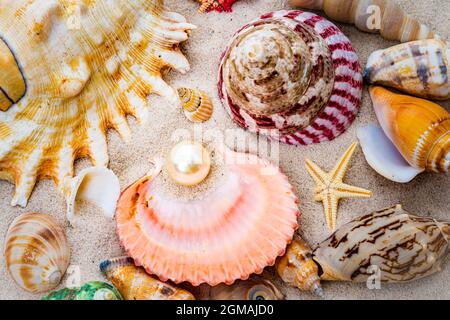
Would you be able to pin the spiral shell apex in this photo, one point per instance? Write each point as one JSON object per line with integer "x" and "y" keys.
{"x": 197, "y": 106}
{"x": 57, "y": 105}
{"x": 37, "y": 253}
{"x": 293, "y": 76}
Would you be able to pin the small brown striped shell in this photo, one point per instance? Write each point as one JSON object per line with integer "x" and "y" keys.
{"x": 197, "y": 106}
{"x": 37, "y": 253}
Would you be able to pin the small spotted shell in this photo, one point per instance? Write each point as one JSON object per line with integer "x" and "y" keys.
{"x": 36, "y": 252}
{"x": 197, "y": 105}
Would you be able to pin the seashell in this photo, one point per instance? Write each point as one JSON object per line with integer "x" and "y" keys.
{"x": 420, "y": 68}
{"x": 197, "y": 105}
{"x": 419, "y": 131}
{"x": 110, "y": 62}
{"x": 298, "y": 257}
{"x": 293, "y": 76}
{"x": 94, "y": 290}
{"x": 37, "y": 253}
{"x": 135, "y": 284}
{"x": 217, "y": 5}
{"x": 256, "y": 288}
{"x": 188, "y": 163}
{"x": 392, "y": 244}
{"x": 97, "y": 185}
{"x": 229, "y": 234}
{"x": 375, "y": 16}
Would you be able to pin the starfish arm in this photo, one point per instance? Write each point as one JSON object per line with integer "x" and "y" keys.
{"x": 347, "y": 191}
{"x": 330, "y": 205}
{"x": 341, "y": 167}
{"x": 319, "y": 176}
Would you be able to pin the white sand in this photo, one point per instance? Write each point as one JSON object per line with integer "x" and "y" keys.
{"x": 93, "y": 238}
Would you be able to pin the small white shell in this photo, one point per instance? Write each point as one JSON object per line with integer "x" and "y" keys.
{"x": 96, "y": 185}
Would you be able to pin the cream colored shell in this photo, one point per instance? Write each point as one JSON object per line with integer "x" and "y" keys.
{"x": 37, "y": 253}
{"x": 87, "y": 65}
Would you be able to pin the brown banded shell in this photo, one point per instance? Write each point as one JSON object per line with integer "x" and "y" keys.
{"x": 37, "y": 253}
{"x": 197, "y": 106}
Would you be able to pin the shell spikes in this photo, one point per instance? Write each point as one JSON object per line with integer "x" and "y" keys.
{"x": 419, "y": 130}
{"x": 37, "y": 252}
{"x": 197, "y": 106}
{"x": 57, "y": 106}
{"x": 420, "y": 68}
{"x": 232, "y": 232}
{"x": 383, "y": 16}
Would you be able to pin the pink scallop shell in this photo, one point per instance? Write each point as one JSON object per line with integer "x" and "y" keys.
{"x": 235, "y": 231}
{"x": 345, "y": 100}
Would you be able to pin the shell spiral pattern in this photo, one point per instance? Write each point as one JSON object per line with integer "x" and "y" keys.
{"x": 197, "y": 106}
{"x": 57, "y": 105}
{"x": 37, "y": 253}
{"x": 293, "y": 76}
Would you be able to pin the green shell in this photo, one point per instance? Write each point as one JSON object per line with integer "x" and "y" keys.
{"x": 94, "y": 290}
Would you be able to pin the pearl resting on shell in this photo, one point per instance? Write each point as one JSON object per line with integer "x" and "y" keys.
{"x": 293, "y": 76}
{"x": 71, "y": 70}
{"x": 232, "y": 232}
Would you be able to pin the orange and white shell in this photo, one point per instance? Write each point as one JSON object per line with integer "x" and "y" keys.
{"x": 197, "y": 106}
{"x": 71, "y": 70}
{"x": 418, "y": 131}
{"x": 234, "y": 231}
{"x": 37, "y": 253}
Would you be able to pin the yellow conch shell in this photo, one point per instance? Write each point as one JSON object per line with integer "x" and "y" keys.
{"x": 82, "y": 67}
{"x": 383, "y": 16}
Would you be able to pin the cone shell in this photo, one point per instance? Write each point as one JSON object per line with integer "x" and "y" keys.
{"x": 420, "y": 68}
{"x": 420, "y": 129}
{"x": 383, "y": 16}
{"x": 111, "y": 60}
{"x": 234, "y": 231}
{"x": 401, "y": 246}
{"x": 37, "y": 253}
{"x": 197, "y": 105}
{"x": 298, "y": 269}
{"x": 94, "y": 290}
{"x": 256, "y": 288}
{"x": 293, "y": 76}
{"x": 135, "y": 284}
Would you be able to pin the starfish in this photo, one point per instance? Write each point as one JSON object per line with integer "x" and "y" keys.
{"x": 330, "y": 188}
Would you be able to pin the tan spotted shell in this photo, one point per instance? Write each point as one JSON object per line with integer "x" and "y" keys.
{"x": 36, "y": 252}
{"x": 71, "y": 70}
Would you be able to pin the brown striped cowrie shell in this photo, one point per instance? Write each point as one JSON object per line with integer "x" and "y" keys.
{"x": 375, "y": 16}
{"x": 197, "y": 106}
{"x": 57, "y": 105}
{"x": 420, "y": 68}
{"x": 418, "y": 128}
{"x": 37, "y": 253}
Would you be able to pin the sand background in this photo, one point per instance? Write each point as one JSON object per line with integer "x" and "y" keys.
{"x": 93, "y": 238}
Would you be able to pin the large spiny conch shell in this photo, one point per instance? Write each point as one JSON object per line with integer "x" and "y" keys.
{"x": 37, "y": 253}
{"x": 93, "y": 290}
{"x": 419, "y": 131}
{"x": 197, "y": 105}
{"x": 96, "y": 185}
{"x": 86, "y": 65}
{"x": 256, "y": 288}
{"x": 420, "y": 68}
{"x": 383, "y": 16}
{"x": 234, "y": 231}
{"x": 390, "y": 245}
{"x": 291, "y": 75}
{"x": 135, "y": 284}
